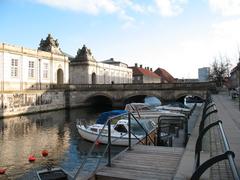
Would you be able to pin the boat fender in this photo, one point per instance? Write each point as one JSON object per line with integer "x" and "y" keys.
{"x": 44, "y": 153}
{"x": 31, "y": 158}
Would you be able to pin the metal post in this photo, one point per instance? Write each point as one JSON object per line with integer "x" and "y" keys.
{"x": 146, "y": 138}
{"x": 129, "y": 132}
{"x": 159, "y": 132}
{"x": 186, "y": 131}
{"x": 109, "y": 143}
{"x": 239, "y": 84}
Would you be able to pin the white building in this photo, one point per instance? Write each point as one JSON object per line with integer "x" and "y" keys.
{"x": 22, "y": 68}
{"x": 203, "y": 74}
{"x": 84, "y": 69}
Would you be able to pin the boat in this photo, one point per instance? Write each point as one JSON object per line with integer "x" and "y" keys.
{"x": 119, "y": 132}
{"x": 175, "y": 107}
{"x": 56, "y": 173}
{"x": 143, "y": 110}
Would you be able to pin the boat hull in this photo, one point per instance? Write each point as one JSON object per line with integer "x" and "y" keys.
{"x": 103, "y": 139}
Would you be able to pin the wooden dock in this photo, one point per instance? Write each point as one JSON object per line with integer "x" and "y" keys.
{"x": 143, "y": 162}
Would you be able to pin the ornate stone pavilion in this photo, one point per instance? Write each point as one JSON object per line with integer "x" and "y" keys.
{"x": 30, "y": 69}
{"x": 22, "y": 68}
{"x": 84, "y": 69}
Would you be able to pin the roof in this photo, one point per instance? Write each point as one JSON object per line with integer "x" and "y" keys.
{"x": 234, "y": 70}
{"x": 113, "y": 62}
{"x": 103, "y": 117}
{"x": 166, "y": 76}
{"x": 145, "y": 72}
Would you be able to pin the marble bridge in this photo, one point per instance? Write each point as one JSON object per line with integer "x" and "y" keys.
{"x": 119, "y": 94}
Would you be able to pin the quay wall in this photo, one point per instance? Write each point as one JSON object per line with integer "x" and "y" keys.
{"x": 14, "y": 103}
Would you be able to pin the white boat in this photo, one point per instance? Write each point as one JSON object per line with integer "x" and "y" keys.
{"x": 157, "y": 104}
{"x": 119, "y": 132}
{"x": 143, "y": 110}
{"x": 170, "y": 108}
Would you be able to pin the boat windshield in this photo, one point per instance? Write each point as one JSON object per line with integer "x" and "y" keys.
{"x": 120, "y": 128}
{"x": 148, "y": 125}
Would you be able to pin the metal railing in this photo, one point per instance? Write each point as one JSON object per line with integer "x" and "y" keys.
{"x": 108, "y": 147}
{"x": 174, "y": 121}
{"x": 210, "y": 108}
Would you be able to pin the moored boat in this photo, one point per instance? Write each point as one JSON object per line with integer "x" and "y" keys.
{"x": 56, "y": 173}
{"x": 119, "y": 131}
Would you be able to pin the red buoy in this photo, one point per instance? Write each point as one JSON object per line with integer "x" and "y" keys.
{"x": 2, "y": 170}
{"x": 44, "y": 153}
{"x": 31, "y": 158}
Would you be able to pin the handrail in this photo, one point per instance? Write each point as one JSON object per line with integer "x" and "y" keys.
{"x": 198, "y": 146}
{"x": 230, "y": 157}
{"x": 227, "y": 154}
{"x": 201, "y": 169}
{"x": 147, "y": 135}
{"x": 94, "y": 144}
{"x": 201, "y": 126}
{"x": 108, "y": 147}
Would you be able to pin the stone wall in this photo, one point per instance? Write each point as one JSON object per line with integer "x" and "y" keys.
{"x": 22, "y": 102}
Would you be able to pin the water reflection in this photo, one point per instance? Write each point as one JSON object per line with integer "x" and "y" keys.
{"x": 54, "y": 131}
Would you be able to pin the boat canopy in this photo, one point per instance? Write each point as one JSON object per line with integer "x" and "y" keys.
{"x": 103, "y": 117}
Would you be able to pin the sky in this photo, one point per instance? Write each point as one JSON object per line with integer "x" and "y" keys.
{"x": 177, "y": 35}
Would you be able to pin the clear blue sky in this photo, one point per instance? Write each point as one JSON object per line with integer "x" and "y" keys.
{"x": 177, "y": 35}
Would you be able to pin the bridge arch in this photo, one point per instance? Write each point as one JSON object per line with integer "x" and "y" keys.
{"x": 180, "y": 96}
{"x": 99, "y": 99}
{"x": 139, "y": 97}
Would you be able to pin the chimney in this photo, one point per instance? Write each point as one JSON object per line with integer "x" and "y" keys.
{"x": 136, "y": 65}
{"x": 140, "y": 65}
{"x": 147, "y": 68}
{"x": 150, "y": 69}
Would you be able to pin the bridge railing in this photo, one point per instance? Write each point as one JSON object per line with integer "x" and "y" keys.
{"x": 192, "y": 85}
{"x": 216, "y": 143}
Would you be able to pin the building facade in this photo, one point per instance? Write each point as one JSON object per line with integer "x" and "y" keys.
{"x": 84, "y": 69}
{"x": 144, "y": 75}
{"x": 203, "y": 74}
{"x": 22, "y": 68}
{"x": 235, "y": 76}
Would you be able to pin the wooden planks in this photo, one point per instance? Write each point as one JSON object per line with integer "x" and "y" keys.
{"x": 143, "y": 162}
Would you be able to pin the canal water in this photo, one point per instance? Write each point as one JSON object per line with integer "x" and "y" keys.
{"x": 55, "y": 132}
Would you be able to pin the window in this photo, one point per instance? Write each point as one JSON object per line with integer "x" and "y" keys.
{"x": 31, "y": 69}
{"x": 45, "y": 70}
{"x": 14, "y": 67}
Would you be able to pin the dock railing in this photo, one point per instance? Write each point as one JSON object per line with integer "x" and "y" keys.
{"x": 171, "y": 123}
{"x": 108, "y": 149}
{"x": 213, "y": 127}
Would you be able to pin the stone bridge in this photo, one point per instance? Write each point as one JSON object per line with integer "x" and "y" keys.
{"x": 120, "y": 94}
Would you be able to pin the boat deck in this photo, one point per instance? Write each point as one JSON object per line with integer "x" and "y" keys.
{"x": 143, "y": 162}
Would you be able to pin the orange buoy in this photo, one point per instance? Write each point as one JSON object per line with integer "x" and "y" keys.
{"x": 31, "y": 158}
{"x": 2, "y": 170}
{"x": 44, "y": 153}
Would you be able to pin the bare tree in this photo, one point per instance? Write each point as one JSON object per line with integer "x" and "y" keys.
{"x": 219, "y": 70}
